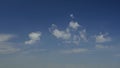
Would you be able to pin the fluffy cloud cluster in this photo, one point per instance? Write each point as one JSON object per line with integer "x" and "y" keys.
{"x": 72, "y": 34}
{"x": 34, "y": 37}
{"x": 75, "y": 34}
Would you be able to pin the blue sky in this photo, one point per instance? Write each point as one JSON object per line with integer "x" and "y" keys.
{"x": 59, "y": 34}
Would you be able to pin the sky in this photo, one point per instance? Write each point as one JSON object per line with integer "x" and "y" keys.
{"x": 59, "y": 34}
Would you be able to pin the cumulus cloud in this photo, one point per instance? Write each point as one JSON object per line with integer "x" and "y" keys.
{"x": 73, "y": 34}
{"x": 101, "y": 38}
{"x": 5, "y": 37}
{"x": 34, "y": 37}
{"x": 74, "y": 25}
{"x": 61, "y": 34}
{"x": 77, "y": 50}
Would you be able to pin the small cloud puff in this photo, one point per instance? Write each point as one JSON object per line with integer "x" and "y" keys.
{"x": 34, "y": 37}
{"x": 101, "y": 38}
{"x": 74, "y": 25}
{"x": 72, "y": 16}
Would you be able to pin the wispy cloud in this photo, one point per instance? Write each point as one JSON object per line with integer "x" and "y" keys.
{"x": 76, "y": 50}
{"x": 99, "y": 46}
{"x": 5, "y": 46}
{"x": 8, "y": 49}
{"x": 6, "y": 37}
{"x": 34, "y": 50}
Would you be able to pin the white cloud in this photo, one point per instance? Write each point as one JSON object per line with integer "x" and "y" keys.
{"x": 83, "y": 35}
{"x": 8, "y": 49}
{"x": 61, "y": 34}
{"x": 74, "y": 25}
{"x": 101, "y": 38}
{"x": 5, "y": 37}
{"x": 77, "y": 50}
{"x": 76, "y": 39}
{"x": 99, "y": 46}
{"x": 71, "y": 35}
{"x": 34, "y": 37}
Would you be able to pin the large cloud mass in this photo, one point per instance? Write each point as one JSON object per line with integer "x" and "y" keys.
{"x": 72, "y": 34}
